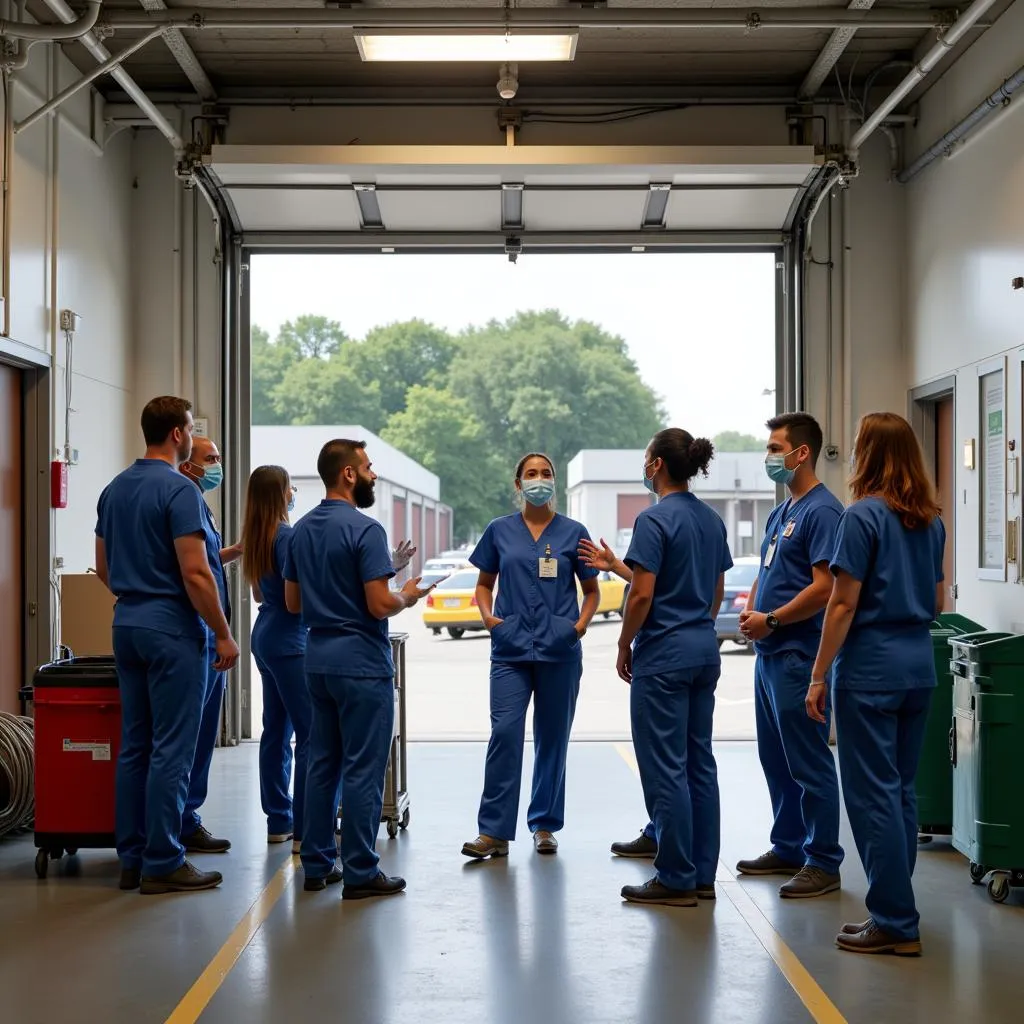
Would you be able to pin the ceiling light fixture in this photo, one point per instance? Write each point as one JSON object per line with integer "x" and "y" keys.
{"x": 489, "y": 47}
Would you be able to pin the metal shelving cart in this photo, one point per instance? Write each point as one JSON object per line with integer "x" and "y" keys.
{"x": 395, "y": 810}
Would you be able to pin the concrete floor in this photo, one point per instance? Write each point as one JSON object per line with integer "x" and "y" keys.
{"x": 508, "y": 941}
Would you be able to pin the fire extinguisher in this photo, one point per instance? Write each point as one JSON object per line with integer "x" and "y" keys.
{"x": 58, "y": 484}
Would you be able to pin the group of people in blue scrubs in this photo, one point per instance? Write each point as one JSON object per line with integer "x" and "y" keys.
{"x": 159, "y": 551}
{"x": 839, "y": 617}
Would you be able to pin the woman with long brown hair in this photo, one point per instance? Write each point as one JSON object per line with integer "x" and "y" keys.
{"x": 887, "y": 592}
{"x": 278, "y": 646}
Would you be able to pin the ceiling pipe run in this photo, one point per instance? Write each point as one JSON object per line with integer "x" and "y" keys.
{"x": 499, "y": 20}
{"x": 968, "y": 20}
{"x": 982, "y": 112}
{"x": 74, "y": 29}
{"x": 830, "y": 53}
{"x": 141, "y": 100}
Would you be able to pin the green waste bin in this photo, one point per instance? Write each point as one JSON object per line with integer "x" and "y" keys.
{"x": 988, "y": 753}
{"x": 934, "y": 783}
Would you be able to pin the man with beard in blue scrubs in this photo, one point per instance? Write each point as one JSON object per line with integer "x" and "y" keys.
{"x": 784, "y": 617}
{"x": 151, "y": 554}
{"x": 205, "y": 471}
{"x": 336, "y": 575}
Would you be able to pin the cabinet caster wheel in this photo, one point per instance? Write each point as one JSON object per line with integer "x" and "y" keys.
{"x": 978, "y": 872}
{"x": 923, "y": 838}
{"x": 404, "y": 823}
{"x": 42, "y": 863}
{"x": 999, "y": 888}
{"x": 392, "y": 828}
{"x": 72, "y": 851}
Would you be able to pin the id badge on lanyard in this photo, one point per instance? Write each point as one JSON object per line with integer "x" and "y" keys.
{"x": 769, "y": 555}
{"x": 547, "y": 568}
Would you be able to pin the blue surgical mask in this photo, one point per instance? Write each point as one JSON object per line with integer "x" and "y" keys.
{"x": 538, "y": 492}
{"x": 648, "y": 481}
{"x": 775, "y": 467}
{"x": 291, "y": 503}
{"x": 212, "y": 478}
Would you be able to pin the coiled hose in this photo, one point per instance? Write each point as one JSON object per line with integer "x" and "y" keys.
{"x": 17, "y": 797}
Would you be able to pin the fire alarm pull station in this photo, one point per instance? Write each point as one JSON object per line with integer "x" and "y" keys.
{"x": 59, "y": 484}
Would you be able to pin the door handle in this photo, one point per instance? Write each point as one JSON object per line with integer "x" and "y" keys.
{"x": 952, "y": 744}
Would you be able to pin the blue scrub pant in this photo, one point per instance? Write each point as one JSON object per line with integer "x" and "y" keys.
{"x": 349, "y": 745}
{"x": 797, "y": 762}
{"x": 554, "y": 687}
{"x": 209, "y": 726}
{"x": 286, "y": 710}
{"x": 160, "y": 678}
{"x": 672, "y": 716}
{"x": 880, "y": 735}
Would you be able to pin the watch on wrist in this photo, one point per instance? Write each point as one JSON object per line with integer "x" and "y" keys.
{"x": 771, "y": 621}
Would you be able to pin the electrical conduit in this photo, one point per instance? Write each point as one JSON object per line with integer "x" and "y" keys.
{"x": 73, "y": 29}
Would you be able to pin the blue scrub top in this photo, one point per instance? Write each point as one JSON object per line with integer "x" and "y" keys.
{"x": 683, "y": 542}
{"x": 213, "y": 545}
{"x": 277, "y": 631}
{"x": 804, "y": 535}
{"x": 538, "y": 615}
{"x": 140, "y": 514}
{"x": 889, "y": 644}
{"x": 334, "y": 550}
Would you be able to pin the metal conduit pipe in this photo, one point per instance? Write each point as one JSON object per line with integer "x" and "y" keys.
{"x": 141, "y": 100}
{"x": 74, "y": 29}
{"x": 498, "y": 19}
{"x": 948, "y": 40}
{"x": 97, "y": 72}
{"x": 984, "y": 110}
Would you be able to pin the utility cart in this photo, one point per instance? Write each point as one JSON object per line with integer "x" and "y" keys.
{"x": 395, "y": 810}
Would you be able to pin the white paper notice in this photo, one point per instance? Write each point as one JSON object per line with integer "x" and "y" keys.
{"x": 993, "y": 471}
{"x": 99, "y": 751}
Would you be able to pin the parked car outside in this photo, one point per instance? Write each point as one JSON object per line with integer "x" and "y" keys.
{"x": 738, "y": 581}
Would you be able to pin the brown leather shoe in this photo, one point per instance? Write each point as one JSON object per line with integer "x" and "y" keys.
{"x": 852, "y": 929}
{"x": 544, "y": 842}
{"x": 873, "y": 940}
{"x": 485, "y": 846}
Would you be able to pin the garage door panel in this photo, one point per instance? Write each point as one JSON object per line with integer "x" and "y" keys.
{"x": 713, "y": 209}
{"x": 599, "y": 210}
{"x": 436, "y": 210}
{"x": 307, "y": 209}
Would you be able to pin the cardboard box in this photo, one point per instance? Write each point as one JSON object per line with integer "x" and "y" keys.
{"x": 86, "y": 615}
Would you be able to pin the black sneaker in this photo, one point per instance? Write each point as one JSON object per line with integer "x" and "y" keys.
{"x": 642, "y": 846}
{"x": 130, "y": 879}
{"x": 187, "y": 878}
{"x": 767, "y": 864}
{"x": 321, "y": 883}
{"x": 706, "y": 892}
{"x": 654, "y": 892}
{"x": 382, "y": 885}
{"x": 201, "y": 841}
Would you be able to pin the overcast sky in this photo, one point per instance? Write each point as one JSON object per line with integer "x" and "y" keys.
{"x": 701, "y": 328}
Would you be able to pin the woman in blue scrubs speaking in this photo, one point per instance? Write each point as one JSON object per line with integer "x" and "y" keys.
{"x": 278, "y": 646}
{"x": 668, "y": 653}
{"x": 536, "y": 624}
{"x": 887, "y": 591}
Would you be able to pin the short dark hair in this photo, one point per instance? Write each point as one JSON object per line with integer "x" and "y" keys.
{"x": 163, "y": 415}
{"x": 683, "y": 454}
{"x": 335, "y": 456}
{"x": 802, "y": 429}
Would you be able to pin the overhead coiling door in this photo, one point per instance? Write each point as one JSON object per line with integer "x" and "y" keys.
{"x": 388, "y": 197}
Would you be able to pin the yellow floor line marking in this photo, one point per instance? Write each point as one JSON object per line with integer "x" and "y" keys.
{"x": 808, "y": 991}
{"x": 198, "y": 997}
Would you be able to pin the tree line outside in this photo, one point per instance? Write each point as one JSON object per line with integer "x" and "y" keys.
{"x": 465, "y": 405}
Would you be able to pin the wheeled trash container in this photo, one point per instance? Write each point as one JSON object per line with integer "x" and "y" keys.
{"x": 77, "y": 709}
{"x": 934, "y": 783}
{"x": 395, "y": 810}
{"x": 988, "y": 755}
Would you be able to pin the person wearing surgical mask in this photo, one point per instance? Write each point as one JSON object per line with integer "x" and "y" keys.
{"x": 205, "y": 470}
{"x": 536, "y": 624}
{"x": 783, "y": 619}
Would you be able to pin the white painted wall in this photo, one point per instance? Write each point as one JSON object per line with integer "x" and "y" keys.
{"x": 965, "y": 245}
{"x": 71, "y": 248}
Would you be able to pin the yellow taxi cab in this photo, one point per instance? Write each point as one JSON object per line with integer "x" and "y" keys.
{"x": 451, "y": 606}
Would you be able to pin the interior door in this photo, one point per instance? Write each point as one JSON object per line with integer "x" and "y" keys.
{"x": 11, "y": 572}
{"x": 945, "y": 483}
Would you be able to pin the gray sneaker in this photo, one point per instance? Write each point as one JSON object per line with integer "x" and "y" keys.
{"x": 808, "y": 882}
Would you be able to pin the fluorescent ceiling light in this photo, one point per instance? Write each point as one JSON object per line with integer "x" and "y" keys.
{"x": 497, "y": 48}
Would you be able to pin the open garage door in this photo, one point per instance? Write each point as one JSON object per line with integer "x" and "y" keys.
{"x": 493, "y": 196}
